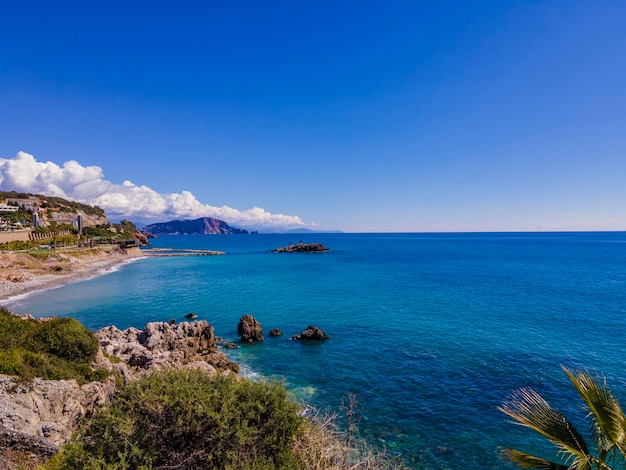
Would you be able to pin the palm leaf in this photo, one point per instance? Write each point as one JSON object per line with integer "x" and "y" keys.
{"x": 525, "y": 460}
{"x": 607, "y": 414}
{"x": 529, "y": 409}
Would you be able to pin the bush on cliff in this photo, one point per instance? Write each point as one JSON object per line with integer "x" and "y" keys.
{"x": 60, "y": 348}
{"x": 68, "y": 339}
{"x": 186, "y": 419}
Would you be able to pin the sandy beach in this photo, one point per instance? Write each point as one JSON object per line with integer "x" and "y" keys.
{"x": 22, "y": 273}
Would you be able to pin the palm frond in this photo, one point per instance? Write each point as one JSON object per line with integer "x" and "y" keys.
{"x": 525, "y": 460}
{"x": 529, "y": 409}
{"x": 607, "y": 414}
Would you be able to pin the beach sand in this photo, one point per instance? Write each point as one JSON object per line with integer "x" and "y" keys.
{"x": 21, "y": 273}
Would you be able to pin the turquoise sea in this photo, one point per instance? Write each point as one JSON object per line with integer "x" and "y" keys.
{"x": 431, "y": 331}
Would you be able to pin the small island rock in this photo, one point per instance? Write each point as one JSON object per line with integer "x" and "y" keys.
{"x": 275, "y": 332}
{"x": 301, "y": 248}
{"x": 250, "y": 329}
{"x": 312, "y": 333}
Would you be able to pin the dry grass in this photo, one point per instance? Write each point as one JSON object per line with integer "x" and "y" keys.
{"x": 323, "y": 447}
{"x": 11, "y": 459}
{"x": 18, "y": 261}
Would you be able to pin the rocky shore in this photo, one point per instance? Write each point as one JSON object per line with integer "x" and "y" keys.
{"x": 37, "y": 417}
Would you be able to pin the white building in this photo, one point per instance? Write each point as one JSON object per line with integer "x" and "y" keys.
{"x": 7, "y": 208}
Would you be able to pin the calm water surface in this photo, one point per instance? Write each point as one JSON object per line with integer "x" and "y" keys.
{"x": 431, "y": 331}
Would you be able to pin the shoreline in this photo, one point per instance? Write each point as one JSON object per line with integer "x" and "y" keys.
{"x": 22, "y": 275}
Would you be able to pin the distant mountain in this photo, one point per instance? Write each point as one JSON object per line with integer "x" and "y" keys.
{"x": 202, "y": 226}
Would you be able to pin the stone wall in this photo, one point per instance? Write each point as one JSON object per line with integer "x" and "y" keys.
{"x": 13, "y": 236}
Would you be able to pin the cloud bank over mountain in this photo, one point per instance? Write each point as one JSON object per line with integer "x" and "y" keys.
{"x": 86, "y": 184}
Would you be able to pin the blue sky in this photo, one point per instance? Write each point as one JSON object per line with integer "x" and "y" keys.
{"x": 359, "y": 116}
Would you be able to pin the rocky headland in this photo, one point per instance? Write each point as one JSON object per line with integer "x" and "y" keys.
{"x": 202, "y": 226}
{"x": 38, "y": 416}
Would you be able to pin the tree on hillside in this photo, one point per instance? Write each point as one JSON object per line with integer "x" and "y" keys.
{"x": 607, "y": 447}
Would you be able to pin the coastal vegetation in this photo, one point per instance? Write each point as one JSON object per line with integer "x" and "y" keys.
{"x": 605, "y": 450}
{"x": 186, "y": 419}
{"x": 112, "y": 232}
{"x": 58, "y": 348}
{"x": 65, "y": 235}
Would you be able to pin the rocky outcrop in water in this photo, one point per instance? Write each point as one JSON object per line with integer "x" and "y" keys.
{"x": 301, "y": 248}
{"x": 162, "y": 345}
{"x": 275, "y": 332}
{"x": 312, "y": 333}
{"x": 250, "y": 329}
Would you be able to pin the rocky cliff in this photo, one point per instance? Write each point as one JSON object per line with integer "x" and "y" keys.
{"x": 48, "y": 410}
{"x": 202, "y": 226}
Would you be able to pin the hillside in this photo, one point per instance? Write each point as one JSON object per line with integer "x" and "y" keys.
{"x": 202, "y": 226}
{"x": 53, "y": 209}
{"x": 28, "y": 220}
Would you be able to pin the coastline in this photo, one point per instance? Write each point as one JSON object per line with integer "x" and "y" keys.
{"x": 23, "y": 275}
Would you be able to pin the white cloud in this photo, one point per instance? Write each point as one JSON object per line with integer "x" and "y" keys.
{"x": 127, "y": 200}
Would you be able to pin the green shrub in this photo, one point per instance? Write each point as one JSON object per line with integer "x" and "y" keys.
{"x": 18, "y": 245}
{"x": 186, "y": 419}
{"x": 14, "y": 331}
{"x": 68, "y": 339}
{"x": 56, "y": 349}
{"x": 10, "y": 363}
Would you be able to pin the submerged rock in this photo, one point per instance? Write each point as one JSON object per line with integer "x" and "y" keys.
{"x": 312, "y": 333}
{"x": 250, "y": 329}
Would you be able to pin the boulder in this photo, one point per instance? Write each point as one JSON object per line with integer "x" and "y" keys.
{"x": 250, "y": 329}
{"x": 49, "y": 409}
{"x": 275, "y": 332}
{"x": 312, "y": 333}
